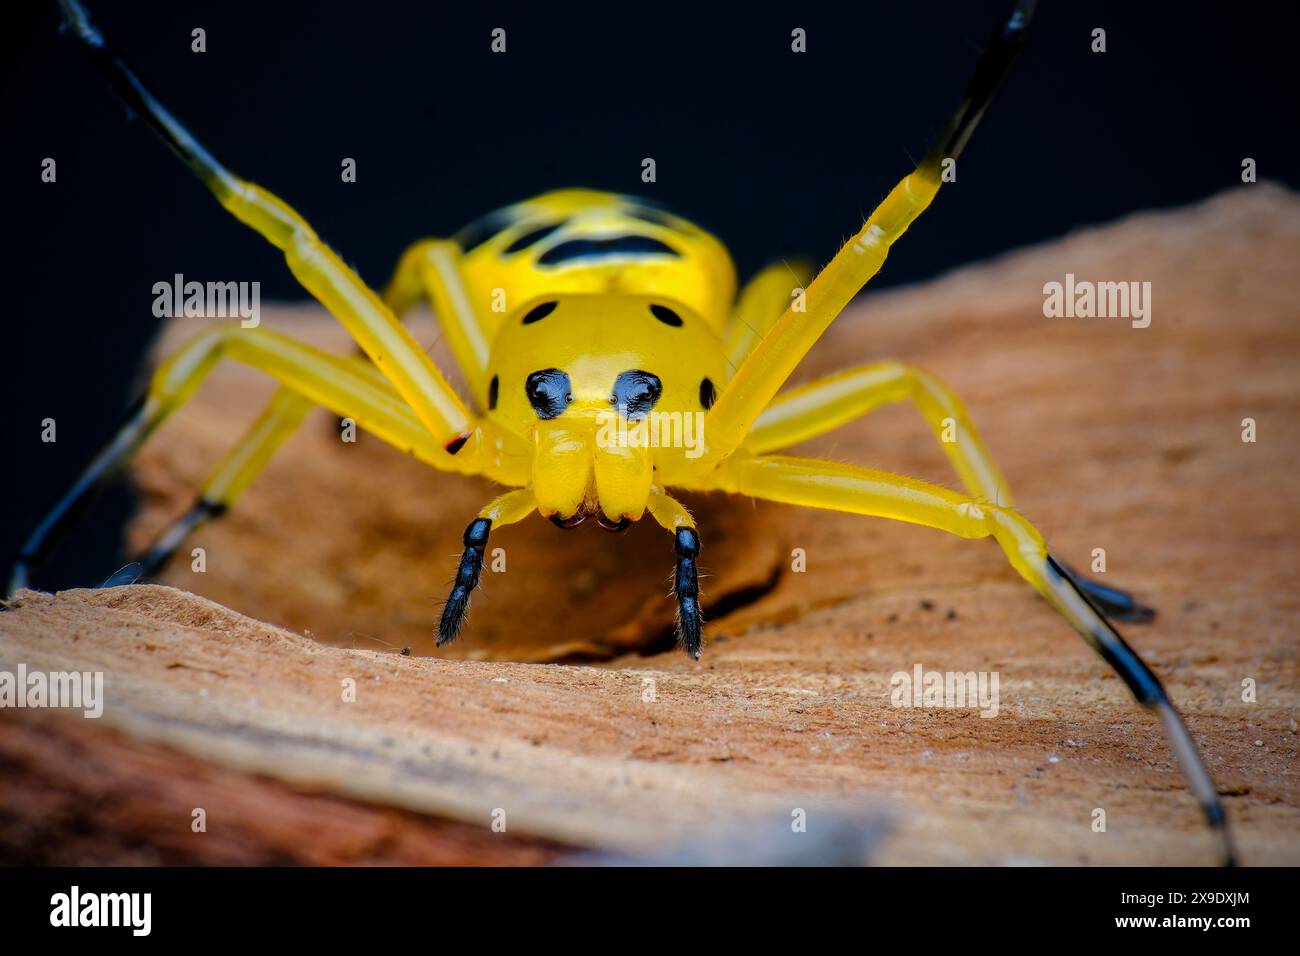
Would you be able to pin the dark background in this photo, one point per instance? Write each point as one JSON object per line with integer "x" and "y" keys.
{"x": 776, "y": 152}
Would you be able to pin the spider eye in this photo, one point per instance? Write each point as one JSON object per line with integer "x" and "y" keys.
{"x": 635, "y": 393}
{"x": 549, "y": 392}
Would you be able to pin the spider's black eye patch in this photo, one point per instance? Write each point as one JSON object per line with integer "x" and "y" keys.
{"x": 494, "y": 388}
{"x": 666, "y": 315}
{"x": 635, "y": 393}
{"x": 549, "y": 392}
{"x": 708, "y": 393}
{"x": 537, "y": 313}
{"x": 531, "y": 237}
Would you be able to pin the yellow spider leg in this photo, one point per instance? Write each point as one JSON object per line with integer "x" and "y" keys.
{"x": 769, "y": 365}
{"x": 820, "y": 406}
{"x": 838, "y": 487}
{"x": 426, "y": 268}
{"x": 827, "y": 403}
{"x": 431, "y": 268}
{"x": 761, "y": 302}
{"x": 342, "y": 385}
{"x": 236, "y": 471}
{"x": 348, "y": 387}
{"x": 507, "y": 509}
{"x": 672, "y": 515}
{"x": 319, "y": 269}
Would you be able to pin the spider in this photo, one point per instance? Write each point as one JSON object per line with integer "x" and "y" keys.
{"x": 618, "y": 312}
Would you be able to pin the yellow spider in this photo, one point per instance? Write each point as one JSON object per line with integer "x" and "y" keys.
{"x": 618, "y": 316}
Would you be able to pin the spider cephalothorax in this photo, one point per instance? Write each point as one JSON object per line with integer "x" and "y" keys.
{"x": 589, "y": 326}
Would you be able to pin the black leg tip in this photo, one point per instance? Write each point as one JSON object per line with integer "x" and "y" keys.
{"x": 1116, "y": 604}
{"x": 687, "y": 587}
{"x": 688, "y": 626}
{"x": 467, "y": 575}
{"x": 453, "y": 616}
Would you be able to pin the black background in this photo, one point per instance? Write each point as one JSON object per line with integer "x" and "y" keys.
{"x": 776, "y": 152}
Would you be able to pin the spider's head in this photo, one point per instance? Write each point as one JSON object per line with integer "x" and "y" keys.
{"x": 609, "y": 390}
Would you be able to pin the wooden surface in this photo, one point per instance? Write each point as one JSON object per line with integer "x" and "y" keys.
{"x": 1113, "y": 437}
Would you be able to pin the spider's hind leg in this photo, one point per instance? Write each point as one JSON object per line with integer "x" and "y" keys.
{"x": 865, "y": 491}
{"x": 825, "y": 404}
{"x": 233, "y": 475}
{"x": 1112, "y": 602}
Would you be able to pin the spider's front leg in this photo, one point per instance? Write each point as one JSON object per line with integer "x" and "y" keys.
{"x": 769, "y": 365}
{"x": 865, "y": 491}
{"x": 507, "y": 509}
{"x": 672, "y": 515}
{"x": 827, "y": 403}
{"x": 320, "y": 271}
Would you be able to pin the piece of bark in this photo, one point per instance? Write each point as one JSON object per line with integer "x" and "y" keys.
{"x": 1112, "y": 437}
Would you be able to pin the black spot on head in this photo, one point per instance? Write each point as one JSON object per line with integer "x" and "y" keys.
{"x": 599, "y": 248}
{"x": 635, "y": 393}
{"x": 531, "y": 237}
{"x": 708, "y": 393}
{"x": 456, "y": 444}
{"x": 666, "y": 315}
{"x": 539, "y": 312}
{"x": 494, "y": 387}
{"x": 549, "y": 392}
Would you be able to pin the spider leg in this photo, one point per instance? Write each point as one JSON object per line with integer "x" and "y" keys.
{"x": 864, "y": 491}
{"x": 673, "y": 516}
{"x": 346, "y": 386}
{"x": 320, "y": 271}
{"x": 761, "y": 302}
{"x": 827, "y": 403}
{"x": 768, "y": 366}
{"x": 507, "y": 509}
{"x": 431, "y": 269}
{"x": 232, "y": 476}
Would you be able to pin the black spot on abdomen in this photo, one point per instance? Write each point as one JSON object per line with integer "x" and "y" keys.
{"x": 600, "y": 248}
{"x": 494, "y": 388}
